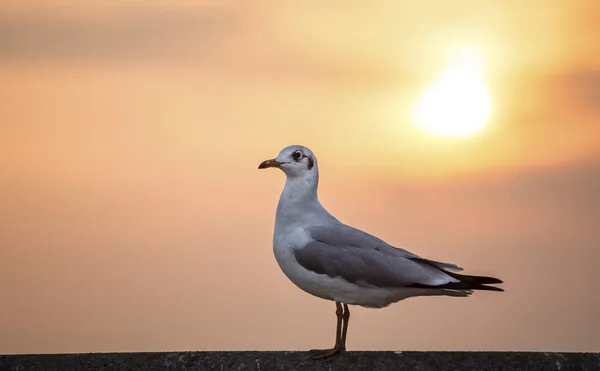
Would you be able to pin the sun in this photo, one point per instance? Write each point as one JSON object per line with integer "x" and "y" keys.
{"x": 458, "y": 103}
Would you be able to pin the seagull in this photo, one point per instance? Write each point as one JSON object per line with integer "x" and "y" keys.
{"x": 334, "y": 261}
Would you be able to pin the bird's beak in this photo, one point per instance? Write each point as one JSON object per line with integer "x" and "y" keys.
{"x": 269, "y": 163}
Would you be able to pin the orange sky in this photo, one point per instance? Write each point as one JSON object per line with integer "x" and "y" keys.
{"x": 135, "y": 218}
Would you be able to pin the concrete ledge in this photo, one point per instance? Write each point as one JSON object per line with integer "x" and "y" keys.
{"x": 265, "y": 361}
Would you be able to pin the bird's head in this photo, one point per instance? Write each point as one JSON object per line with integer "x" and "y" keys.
{"x": 295, "y": 161}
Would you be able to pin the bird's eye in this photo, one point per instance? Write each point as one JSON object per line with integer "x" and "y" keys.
{"x": 297, "y": 155}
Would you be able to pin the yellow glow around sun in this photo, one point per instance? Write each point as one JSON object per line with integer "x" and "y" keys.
{"x": 458, "y": 103}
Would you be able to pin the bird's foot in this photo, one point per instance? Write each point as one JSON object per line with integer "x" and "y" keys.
{"x": 326, "y": 353}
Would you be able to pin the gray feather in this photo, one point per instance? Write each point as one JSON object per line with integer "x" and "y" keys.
{"x": 342, "y": 251}
{"x": 341, "y": 234}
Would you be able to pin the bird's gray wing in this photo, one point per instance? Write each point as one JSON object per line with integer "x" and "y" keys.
{"x": 342, "y": 234}
{"x": 358, "y": 257}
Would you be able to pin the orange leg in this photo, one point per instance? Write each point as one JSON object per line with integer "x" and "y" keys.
{"x": 338, "y": 347}
{"x": 345, "y": 319}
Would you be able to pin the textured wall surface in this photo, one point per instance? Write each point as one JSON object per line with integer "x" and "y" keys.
{"x": 300, "y": 361}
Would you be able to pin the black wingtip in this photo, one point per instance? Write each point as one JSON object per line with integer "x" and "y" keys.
{"x": 488, "y": 288}
{"x": 488, "y": 280}
{"x": 468, "y": 282}
{"x": 476, "y": 280}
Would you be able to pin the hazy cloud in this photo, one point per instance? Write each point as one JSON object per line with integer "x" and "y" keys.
{"x": 129, "y": 35}
{"x": 585, "y": 86}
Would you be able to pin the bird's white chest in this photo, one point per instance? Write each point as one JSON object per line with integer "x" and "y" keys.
{"x": 284, "y": 244}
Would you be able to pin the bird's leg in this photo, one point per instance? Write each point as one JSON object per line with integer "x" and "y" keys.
{"x": 337, "y": 348}
{"x": 346, "y": 319}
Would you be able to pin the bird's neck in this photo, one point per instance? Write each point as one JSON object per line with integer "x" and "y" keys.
{"x": 299, "y": 201}
{"x": 299, "y": 190}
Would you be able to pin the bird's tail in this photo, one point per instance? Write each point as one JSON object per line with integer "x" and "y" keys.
{"x": 466, "y": 282}
{"x": 474, "y": 282}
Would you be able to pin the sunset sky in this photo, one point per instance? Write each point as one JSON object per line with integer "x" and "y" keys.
{"x": 134, "y": 217}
